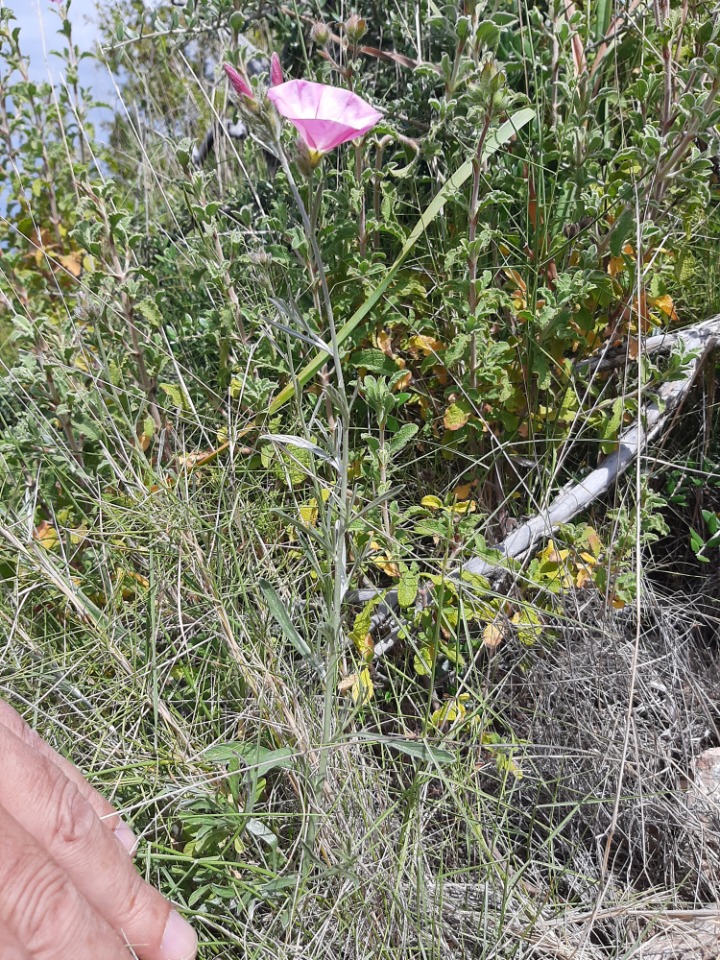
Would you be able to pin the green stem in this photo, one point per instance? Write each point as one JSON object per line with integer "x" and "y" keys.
{"x": 337, "y": 530}
{"x": 312, "y": 240}
{"x": 472, "y": 234}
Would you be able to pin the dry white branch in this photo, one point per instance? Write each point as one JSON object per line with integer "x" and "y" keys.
{"x": 700, "y": 339}
{"x": 609, "y": 359}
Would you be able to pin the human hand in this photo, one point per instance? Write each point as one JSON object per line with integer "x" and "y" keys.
{"x": 68, "y": 888}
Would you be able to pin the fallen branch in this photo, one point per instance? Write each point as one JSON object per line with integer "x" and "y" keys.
{"x": 617, "y": 357}
{"x": 702, "y": 339}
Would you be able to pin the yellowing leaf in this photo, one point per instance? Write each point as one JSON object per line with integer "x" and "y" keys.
{"x": 552, "y": 555}
{"x": 515, "y": 277}
{"x": 431, "y": 502}
{"x": 78, "y": 534}
{"x": 360, "y": 634}
{"x": 384, "y": 342}
{"x": 402, "y": 382}
{"x": 528, "y": 624}
{"x": 616, "y": 265}
{"x": 493, "y": 635}
{"x": 425, "y": 345}
{"x": 46, "y": 535}
{"x": 359, "y": 686}
{"x": 462, "y": 490}
{"x": 366, "y": 647}
{"x": 127, "y": 581}
{"x": 138, "y": 578}
{"x": 593, "y": 541}
{"x": 457, "y": 415}
{"x": 451, "y": 711}
{"x": 72, "y": 262}
{"x": 665, "y": 305}
{"x": 467, "y": 506}
{"x": 198, "y": 459}
{"x": 363, "y": 689}
{"x": 386, "y": 563}
{"x": 309, "y": 512}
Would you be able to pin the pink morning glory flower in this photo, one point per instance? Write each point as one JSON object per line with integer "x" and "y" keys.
{"x": 324, "y": 116}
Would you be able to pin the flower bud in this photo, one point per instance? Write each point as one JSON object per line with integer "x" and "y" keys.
{"x": 320, "y": 33}
{"x": 355, "y": 28}
{"x": 276, "y": 74}
{"x": 239, "y": 83}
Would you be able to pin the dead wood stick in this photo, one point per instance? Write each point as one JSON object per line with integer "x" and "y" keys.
{"x": 631, "y": 443}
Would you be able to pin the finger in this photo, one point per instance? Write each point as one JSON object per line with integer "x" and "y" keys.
{"x": 105, "y": 811}
{"x": 51, "y": 808}
{"x": 42, "y": 910}
{"x": 10, "y": 949}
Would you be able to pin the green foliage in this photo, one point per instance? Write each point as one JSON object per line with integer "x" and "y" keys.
{"x": 235, "y": 394}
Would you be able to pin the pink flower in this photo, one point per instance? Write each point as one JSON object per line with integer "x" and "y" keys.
{"x": 324, "y": 116}
{"x": 240, "y": 84}
{"x": 276, "y": 76}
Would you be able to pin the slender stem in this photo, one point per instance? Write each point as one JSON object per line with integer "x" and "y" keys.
{"x": 229, "y": 286}
{"x": 147, "y": 382}
{"x": 382, "y": 461}
{"x": 313, "y": 207}
{"x": 312, "y": 240}
{"x": 381, "y": 144}
{"x": 450, "y": 86}
{"x": 78, "y": 104}
{"x": 362, "y": 229}
{"x": 472, "y": 234}
{"x": 337, "y": 530}
{"x": 474, "y": 212}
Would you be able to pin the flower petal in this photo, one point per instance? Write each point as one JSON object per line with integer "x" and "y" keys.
{"x": 324, "y": 116}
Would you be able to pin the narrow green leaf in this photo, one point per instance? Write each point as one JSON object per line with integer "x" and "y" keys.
{"x": 602, "y": 19}
{"x": 282, "y": 617}
{"x": 417, "y": 749}
{"x": 259, "y": 758}
{"x": 493, "y": 143}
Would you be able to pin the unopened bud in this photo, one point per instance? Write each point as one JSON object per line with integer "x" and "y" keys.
{"x": 276, "y": 74}
{"x": 239, "y": 83}
{"x": 320, "y": 33}
{"x": 355, "y": 28}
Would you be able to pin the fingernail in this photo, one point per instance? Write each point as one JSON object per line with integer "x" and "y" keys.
{"x": 126, "y": 837}
{"x": 179, "y": 941}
